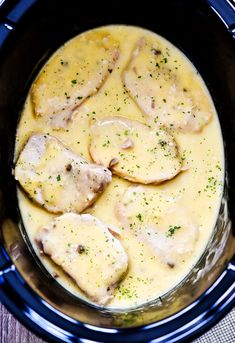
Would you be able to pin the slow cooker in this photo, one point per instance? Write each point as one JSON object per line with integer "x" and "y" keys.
{"x": 30, "y": 31}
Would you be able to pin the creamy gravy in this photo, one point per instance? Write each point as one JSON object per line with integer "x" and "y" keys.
{"x": 198, "y": 189}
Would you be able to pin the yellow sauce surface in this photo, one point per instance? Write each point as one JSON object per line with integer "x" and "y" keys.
{"x": 199, "y": 188}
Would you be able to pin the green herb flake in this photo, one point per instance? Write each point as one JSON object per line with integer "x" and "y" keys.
{"x": 139, "y": 216}
{"x": 172, "y": 229}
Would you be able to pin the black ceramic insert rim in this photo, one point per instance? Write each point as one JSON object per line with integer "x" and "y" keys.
{"x": 36, "y": 314}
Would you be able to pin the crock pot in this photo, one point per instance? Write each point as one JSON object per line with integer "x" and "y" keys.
{"x": 30, "y": 31}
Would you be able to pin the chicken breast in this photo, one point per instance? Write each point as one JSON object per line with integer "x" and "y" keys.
{"x": 74, "y": 73}
{"x": 159, "y": 92}
{"x": 134, "y": 150}
{"x": 166, "y": 227}
{"x": 85, "y": 248}
{"x": 56, "y": 178}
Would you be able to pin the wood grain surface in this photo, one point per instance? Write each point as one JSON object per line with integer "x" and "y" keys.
{"x": 11, "y": 331}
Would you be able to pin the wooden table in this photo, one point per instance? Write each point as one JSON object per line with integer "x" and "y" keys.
{"x": 11, "y": 331}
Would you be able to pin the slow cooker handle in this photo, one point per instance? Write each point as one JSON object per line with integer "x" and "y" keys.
{"x": 226, "y": 12}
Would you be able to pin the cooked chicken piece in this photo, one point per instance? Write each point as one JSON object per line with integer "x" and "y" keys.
{"x": 134, "y": 150}
{"x": 87, "y": 251}
{"x": 56, "y": 178}
{"x": 73, "y": 74}
{"x": 160, "y": 94}
{"x": 160, "y": 221}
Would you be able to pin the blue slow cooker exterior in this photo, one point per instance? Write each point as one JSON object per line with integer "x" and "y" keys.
{"x": 52, "y": 325}
{"x": 36, "y": 314}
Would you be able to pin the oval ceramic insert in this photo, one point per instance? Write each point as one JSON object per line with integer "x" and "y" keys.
{"x": 193, "y": 196}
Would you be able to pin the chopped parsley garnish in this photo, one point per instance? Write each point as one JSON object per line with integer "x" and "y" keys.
{"x": 106, "y": 143}
{"x": 139, "y": 216}
{"x": 162, "y": 143}
{"x": 58, "y": 178}
{"x": 172, "y": 229}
